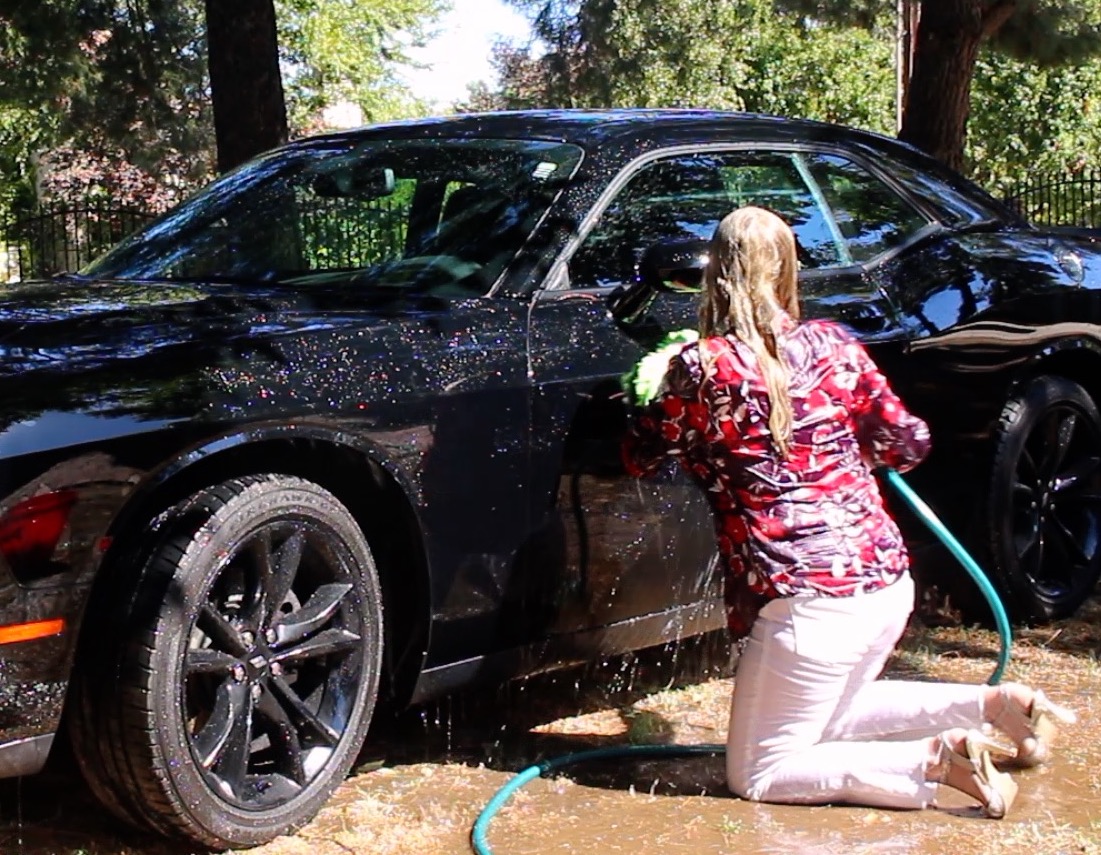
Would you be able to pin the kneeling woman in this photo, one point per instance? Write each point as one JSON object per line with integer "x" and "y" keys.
{"x": 782, "y": 423}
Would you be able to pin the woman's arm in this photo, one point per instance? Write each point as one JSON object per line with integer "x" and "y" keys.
{"x": 889, "y": 435}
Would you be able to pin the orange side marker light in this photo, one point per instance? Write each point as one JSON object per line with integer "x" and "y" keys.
{"x": 30, "y": 631}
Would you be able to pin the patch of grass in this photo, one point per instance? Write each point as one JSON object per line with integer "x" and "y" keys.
{"x": 645, "y": 727}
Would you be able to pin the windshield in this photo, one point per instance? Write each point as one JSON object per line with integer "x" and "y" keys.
{"x": 439, "y": 215}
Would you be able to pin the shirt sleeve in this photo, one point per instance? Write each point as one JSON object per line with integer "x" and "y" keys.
{"x": 888, "y": 434}
{"x": 665, "y": 428}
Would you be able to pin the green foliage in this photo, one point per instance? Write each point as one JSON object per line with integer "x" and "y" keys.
{"x": 121, "y": 70}
{"x": 1030, "y": 120}
{"x": 113, "y": 94}
{"x": 118, "y": 80}
{"x": 1051, "y": 32}
{"x": 350, "y": 50}
{"x": 739, "y": 55}
{"x": 22, "y": 133}
{"x": 817, "y": 60}
{"x": 1044, "y": 32}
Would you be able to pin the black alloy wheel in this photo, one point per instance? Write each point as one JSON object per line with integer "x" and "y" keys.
{"x": 1045, "y": 500}
{"x": 247, "y": 679}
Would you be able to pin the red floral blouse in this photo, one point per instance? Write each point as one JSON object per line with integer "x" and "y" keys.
{"x": 813, "y": 524}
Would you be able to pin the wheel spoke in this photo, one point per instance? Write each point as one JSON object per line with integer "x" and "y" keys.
{"x": 1034, "y": 543}
{"x": 290, "y": 697}
{"x": 232, "y": 764}
{"x": 312, "y": 616}
{"x": 284, "y": 568}
{"x": 258, "y": 550}
{"x": 207, "y": 660}
{"x": 1058, "y": 573}
{"x": 1027, "y": 492}
{"x": 328, "y": 641}
{"x": 1068, "y": 542}
{"x": 279, "y": 789}
{"x": 220, "y": 631}
{"x": 284, "y": 737}
{"x": 1077, "y": 476}
{"x": 228, "y": 724}
{"x": 1060, "y": 432}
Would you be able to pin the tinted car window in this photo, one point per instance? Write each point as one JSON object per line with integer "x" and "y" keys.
{"x": 871, "y": 217}
{"x": 775, "y": 181}
{"x": 954, "y": 199}
{"x": 438, "y": 214}
{"x": 686, "y": 197}
{"x": 666, "y": 200}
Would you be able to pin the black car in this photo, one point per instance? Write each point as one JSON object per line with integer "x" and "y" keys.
{"x": 345, "y": 426}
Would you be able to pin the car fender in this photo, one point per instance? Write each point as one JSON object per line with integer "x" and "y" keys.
{"x": 1074, "y": 354}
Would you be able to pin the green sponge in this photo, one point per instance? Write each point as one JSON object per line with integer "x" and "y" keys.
{"x": 643, "y": 382}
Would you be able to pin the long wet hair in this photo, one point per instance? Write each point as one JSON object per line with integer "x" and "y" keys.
{"x": 750, "y": 277}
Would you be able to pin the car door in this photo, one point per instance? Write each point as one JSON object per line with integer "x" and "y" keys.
{"x": 629, "y": 548}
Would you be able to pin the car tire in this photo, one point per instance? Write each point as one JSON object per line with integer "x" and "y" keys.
{"x": 1044, "y": 505}
{"x": 229, "y": 691}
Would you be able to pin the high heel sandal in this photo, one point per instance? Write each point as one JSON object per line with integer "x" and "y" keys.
{"x": 1040, "y": 724}
{"x": 997, "y": 788}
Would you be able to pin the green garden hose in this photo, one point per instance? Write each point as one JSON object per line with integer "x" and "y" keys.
{"x": 924, "y": 513}
{"x": 932, "y": 521}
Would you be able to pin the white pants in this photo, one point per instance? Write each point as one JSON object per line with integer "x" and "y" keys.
{"x": 810, "y": 724}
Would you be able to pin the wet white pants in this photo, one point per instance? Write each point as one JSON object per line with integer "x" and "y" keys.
{"x": 811, "y": 724}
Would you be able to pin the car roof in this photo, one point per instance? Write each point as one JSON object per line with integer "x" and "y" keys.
{"x": 595, "y": 128}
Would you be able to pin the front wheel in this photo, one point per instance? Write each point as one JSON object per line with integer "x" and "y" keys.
{"x": 240, "y": 680}
{"x": 1044, "y": 508}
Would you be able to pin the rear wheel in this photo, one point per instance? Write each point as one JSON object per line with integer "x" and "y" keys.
{"x": 239, "y": 677}
{"x": 1044, "y": 511}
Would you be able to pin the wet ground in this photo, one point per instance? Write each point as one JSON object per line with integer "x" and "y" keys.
{"x": 426, "y": 774}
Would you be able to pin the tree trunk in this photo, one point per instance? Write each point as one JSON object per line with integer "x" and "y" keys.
{"x": 250, "y": 114}
{"x": 939, "y": 97}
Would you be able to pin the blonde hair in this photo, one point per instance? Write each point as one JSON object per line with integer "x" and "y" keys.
{"x": 750, "y": 276}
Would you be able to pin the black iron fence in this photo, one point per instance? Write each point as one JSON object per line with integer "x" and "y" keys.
{"x": 348, "y": 233}
{"x": 1059, "y": 200}
{"x": 328, "y": 234}
{"x": 63, "y": 238}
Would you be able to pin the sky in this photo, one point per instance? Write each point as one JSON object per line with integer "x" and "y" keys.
{"x": 459, "y": 54}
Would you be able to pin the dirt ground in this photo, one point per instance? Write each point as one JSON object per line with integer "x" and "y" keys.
{"x": 426, "y": 774}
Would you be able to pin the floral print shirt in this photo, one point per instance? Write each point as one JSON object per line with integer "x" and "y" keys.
{"x": 813, "y": 524}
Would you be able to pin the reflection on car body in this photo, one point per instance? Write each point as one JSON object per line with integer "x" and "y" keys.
{"x": 359, "y": 402}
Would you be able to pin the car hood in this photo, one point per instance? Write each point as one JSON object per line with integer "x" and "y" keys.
{"x": 142, "y": 354}
{"x": 75, "y": 324}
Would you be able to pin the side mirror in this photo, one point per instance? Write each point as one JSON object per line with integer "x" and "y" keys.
{"x": 676, "y": 266}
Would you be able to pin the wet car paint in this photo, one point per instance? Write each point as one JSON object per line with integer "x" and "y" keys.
{"x": 510, "y": 539}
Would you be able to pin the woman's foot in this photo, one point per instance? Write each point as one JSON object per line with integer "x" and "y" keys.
{"x": 1029, "y": 718}
{"x": 964, "y": 762}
